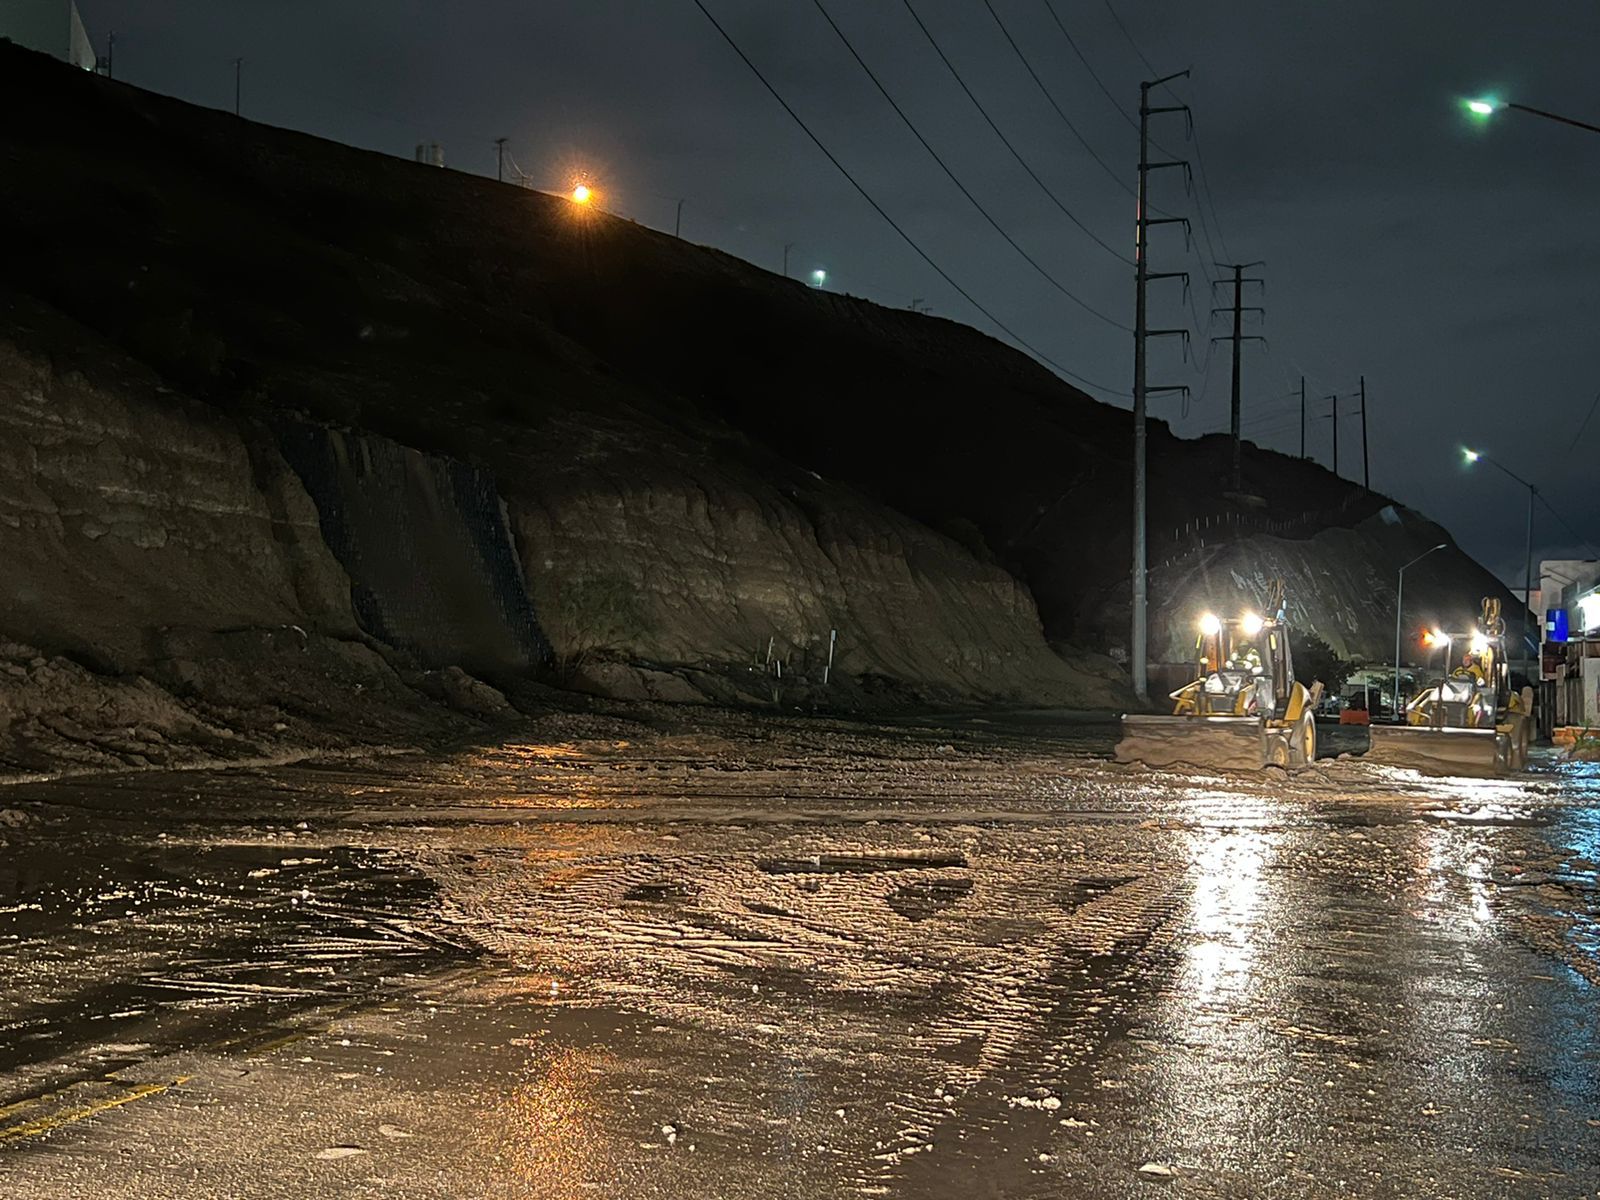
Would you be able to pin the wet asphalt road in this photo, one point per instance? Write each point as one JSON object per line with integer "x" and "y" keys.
{"x": 768, "y": 958}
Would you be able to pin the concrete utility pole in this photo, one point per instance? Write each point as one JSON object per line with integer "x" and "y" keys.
{"x": 238, "y": 70}
{"x": 677, "y": 222}
{"x": 500, "y": 159}
{"x": 1237, "y": 338}
{"x": 1302, "y": 416}
{"x": 787, "y": 246}
{"x": 1366, "y": 464}
{"x": 1138, "y": 648}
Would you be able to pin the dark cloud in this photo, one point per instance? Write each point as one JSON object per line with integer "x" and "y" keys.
{"x": 1453, "y": 264}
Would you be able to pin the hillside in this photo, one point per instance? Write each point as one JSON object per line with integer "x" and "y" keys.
{"x": 255, "y": 380}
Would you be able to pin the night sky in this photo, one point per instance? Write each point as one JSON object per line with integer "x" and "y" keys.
{"x": 1455, "y": 264}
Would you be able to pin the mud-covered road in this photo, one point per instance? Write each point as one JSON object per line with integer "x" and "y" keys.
{"x": 733, "y": 957}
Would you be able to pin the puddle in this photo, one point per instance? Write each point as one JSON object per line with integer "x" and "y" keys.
{"x": 116, "y": 946}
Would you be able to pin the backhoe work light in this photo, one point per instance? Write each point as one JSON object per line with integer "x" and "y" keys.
{"x": 1251, "y": 623}
{"x": 1479, "y": 642}
{"x": 1209, "y": 625}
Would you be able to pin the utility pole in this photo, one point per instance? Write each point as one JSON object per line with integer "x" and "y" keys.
{"x": 1302, "y": 416}
{"x": 677, "y": 222}
{"x": 787, "y": 246}
{"x": 238, "y": 69}
{"x": 1138, "y": 648}
{"x": 500, "y": 159}
{"x": 1335, "y": 414}
{"x": 1237, "y": 339}
{"x": 1366, "y": 464}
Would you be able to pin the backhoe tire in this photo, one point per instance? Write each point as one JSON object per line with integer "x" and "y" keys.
{"x": 1279, "y": 752}
{"x": 1304, "y": 742}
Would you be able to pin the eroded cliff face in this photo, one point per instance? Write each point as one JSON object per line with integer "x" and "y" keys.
{"x": 187, "y": 585}
{"x": 126, "y": 510}
{"x": 711, "y": 569}
{"x": 168, "y": 595}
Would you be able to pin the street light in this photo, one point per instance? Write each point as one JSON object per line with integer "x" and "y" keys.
{"x": 1473, "y": 456}
{"x": 1399, "y": 608}
{"x": 582, "y": 194}
{"x": 1484, "y": 107}
{"x": 819, "y": 277}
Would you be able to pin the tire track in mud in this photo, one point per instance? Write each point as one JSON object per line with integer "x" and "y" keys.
{"x": 155, "y": 950}
{"x": 1005, "y": 975}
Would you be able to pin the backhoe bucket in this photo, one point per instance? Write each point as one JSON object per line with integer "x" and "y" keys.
{"x": 1219, "y": 743}
{"x": 1436, "y": 751}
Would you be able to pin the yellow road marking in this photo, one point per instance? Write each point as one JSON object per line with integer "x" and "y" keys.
{"x": 7, "y": 1110}
{"x": 56, "y": 1120}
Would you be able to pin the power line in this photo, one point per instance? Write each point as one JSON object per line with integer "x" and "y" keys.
{"x": 1125, "y": 115}
{"x": 1564, "y": 524}
{"x": 1268, "y": 416}
{"x": 890, "y": 221}
{"x": 1015, "y": 153}
{"x": 1194, "y": 136}
{"x": 945, "y": 167}
{"x": 1205, "y": 187}
{"x": 1573, "y": 444}
{"x": 1065, "y": 120}
{"x": 1148, "y": 65}
{"x": 1201, "y": 260}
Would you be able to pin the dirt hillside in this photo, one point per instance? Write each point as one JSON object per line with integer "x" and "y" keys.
{"x": 255, "y": 380}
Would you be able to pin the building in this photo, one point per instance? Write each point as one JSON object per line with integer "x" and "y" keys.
{"x": 1569, "y": 659}
{"x": 50, "y": 26}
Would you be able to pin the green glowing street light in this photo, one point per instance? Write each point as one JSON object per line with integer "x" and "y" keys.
{"x": 1481, "y": 108}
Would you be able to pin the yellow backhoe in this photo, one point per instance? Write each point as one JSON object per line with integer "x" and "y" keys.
{"x": 1469, "y": 722}
{"x": 1244, "y": 709}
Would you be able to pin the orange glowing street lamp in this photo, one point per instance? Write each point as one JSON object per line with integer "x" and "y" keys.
{"x": 582, "y": 194}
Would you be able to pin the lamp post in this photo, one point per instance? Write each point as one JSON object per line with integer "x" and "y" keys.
{"x": 1527, "y": 571}
{"x": 1399, "y": 609}
{"x": 1485, "y": 107}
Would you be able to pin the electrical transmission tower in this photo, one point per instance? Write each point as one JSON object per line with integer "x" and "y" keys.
{"x": 1239, "y": 308}
{"x": 1138, "y": 651}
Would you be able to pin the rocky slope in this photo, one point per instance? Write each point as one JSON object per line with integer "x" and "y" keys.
{"x": 1339, "y": 582}
{"x": 381, "y": 421}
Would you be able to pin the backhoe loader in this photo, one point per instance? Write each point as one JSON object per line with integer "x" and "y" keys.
{"x": 1244, "y": 709}
{"x": 1468, "y": 722}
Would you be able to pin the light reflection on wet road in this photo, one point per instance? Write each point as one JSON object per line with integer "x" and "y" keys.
{"x": 800, "y": 959}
